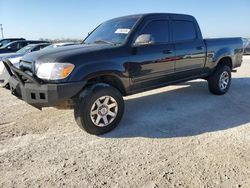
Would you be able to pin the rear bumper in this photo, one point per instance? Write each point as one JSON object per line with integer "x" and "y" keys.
{"x": 38, "y": 94}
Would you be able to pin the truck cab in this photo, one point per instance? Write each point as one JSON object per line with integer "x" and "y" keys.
{"x": 5, "y": 41}
{"x": 176, "y": 50}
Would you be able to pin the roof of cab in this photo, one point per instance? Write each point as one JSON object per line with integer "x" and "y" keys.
{"x": 157, "y": 15}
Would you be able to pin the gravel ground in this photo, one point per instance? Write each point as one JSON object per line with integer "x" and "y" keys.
{"x": 177, "y": 136}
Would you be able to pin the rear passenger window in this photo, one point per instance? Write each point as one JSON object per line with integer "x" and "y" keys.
{"x": 159, "y": 30}
{"x": 21, "y": 45}
{"x": 183, "y": 31}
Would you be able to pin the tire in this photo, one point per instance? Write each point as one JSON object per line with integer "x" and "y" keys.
{"x": 94, "y": 108}
{"x": 219, "y": 82}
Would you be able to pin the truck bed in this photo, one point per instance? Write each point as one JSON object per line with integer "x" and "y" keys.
{"x": 218, "y": 48}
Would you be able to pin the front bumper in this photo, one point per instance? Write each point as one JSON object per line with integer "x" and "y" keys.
{"x": 34, "y": 92}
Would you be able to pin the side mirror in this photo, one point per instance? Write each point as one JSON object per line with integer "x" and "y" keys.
{"x": 1, "y": 44}
{"x": 9, "y": 47}
{"x": 144, "y": 39}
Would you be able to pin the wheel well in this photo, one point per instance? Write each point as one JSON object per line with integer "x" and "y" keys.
{"x": 108, "y": 79}
{"x": 226, "y": 61}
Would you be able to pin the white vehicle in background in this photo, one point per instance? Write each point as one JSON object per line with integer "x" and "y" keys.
{"x": 14, "y": 58}
{"x": 246, "y": 46}
{"x": 56, "y": 45}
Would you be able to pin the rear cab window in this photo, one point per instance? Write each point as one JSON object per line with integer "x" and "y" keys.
{"x": 183, "y": 31}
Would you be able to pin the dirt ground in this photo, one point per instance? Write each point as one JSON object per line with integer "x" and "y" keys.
{"x": 177, "y": 136}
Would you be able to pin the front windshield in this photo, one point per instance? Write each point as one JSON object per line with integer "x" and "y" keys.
{"x": 4, "y": 42}
{"x": 8, "y": 44}
{"x": 5, "y": 45}
{"x": 50, "y": 46}
{"x": 24, "y": 50}
{"x": 112, "y": 32}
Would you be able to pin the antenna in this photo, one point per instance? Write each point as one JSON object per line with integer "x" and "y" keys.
{"x": 1, "y": 28}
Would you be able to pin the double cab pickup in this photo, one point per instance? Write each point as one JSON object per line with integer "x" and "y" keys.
{"x": 123, "y": 56}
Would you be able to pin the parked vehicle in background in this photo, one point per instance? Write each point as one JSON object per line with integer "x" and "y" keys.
{"x": 27, "y": 49}
{"x": 56, "y": 45}
{"x": 14, "y": 58}
{"x": 121, "y": 57}
{"x": 5, "y": 41}
{"x": 245, "y": 42}
{"x": 17, "y": 45}
{"x": 247, "y": 48}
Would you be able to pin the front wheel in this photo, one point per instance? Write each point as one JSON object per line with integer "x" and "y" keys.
{"x": 99, "y": 109}
{"x": 219, "y": 82}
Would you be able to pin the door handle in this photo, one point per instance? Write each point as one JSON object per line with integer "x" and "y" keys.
{"x": 168, "y": 51}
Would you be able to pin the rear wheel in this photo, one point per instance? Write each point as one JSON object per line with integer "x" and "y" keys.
{"x": 99, "y": 109}
{"x": 219, "y": 82}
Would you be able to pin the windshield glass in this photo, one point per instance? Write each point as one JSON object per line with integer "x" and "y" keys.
{"x": 24, "y": 50}
{"x": 112, "y": 32}
{"x": 5, "y": 45}
{"x": 50, "y": 46}
{"x": 4, "y": 42}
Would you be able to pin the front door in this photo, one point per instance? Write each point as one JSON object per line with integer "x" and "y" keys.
{"x": 153, "y": 64}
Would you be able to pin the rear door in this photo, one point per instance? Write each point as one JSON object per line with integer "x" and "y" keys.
{"x": 190, "y": 49}
{"x": 153, "y": 64}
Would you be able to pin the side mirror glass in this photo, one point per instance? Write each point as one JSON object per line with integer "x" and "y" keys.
{"x": 144, "y": 39}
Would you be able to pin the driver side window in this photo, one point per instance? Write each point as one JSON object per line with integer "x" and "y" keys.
{"x": 36, "y": 49}
{"x": 159, "y": 31}
{"x": 13, "y": 46}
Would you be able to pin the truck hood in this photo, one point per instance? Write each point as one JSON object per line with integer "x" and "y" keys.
{"x": 62, "y": 54}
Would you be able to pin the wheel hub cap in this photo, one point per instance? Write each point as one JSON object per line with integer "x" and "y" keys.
{"x": 224, "y": 80}
{"x": 104, "y": 111}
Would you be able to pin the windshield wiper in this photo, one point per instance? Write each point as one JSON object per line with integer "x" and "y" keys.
{"x": 105, "y": 41}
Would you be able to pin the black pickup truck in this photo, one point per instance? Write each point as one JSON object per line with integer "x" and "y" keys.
{"x": 123, "y": 56}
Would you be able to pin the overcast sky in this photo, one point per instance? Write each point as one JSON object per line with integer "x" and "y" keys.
{"x": 34, "y": 19}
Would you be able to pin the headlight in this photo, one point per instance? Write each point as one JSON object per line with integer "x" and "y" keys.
{"x": 54, "y": 71}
